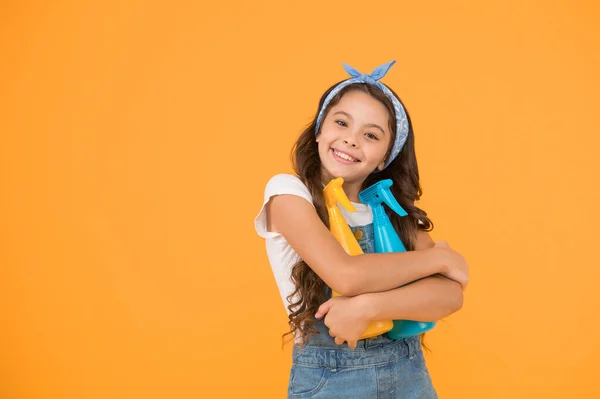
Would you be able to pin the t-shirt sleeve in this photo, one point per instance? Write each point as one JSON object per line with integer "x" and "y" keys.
{"x": 278, "y": 185}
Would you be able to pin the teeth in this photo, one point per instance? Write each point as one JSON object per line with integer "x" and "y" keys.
{"x": 344, "y": 156}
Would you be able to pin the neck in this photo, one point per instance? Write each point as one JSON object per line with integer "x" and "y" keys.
{"x": 350, "y": 188}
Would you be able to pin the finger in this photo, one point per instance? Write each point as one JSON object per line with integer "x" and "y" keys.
{"x": 323, "y": 309}
{"x": 339, "y": 340}
{"x": 352, "y": 344}
{"x": 332, "y": 334}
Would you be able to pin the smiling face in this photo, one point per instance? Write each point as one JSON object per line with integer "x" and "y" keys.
{"x": 355, "y": 137}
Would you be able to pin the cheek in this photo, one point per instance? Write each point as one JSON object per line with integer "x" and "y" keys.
{"x": 377, "y": 154}
{"x": 324, "y": 139}
{"x": 323, "y": 146}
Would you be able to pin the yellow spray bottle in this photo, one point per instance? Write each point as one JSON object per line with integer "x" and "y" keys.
{"x": 333, "y": 194}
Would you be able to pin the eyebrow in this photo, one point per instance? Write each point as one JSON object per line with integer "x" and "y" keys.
{"x": 367, "y": 124}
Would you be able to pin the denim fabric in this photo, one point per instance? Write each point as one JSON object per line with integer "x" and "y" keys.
{"x": 395, "y": 369}
{"x": 378, "y": 368}
{"x": 367, "y": 237}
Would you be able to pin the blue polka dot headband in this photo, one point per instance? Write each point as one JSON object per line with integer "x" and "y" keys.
{"x": 372, "y": 79}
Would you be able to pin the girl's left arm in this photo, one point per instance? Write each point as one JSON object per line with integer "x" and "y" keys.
{"x": 429, "y": 299}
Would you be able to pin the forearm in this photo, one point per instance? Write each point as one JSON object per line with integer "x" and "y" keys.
{"x": 429, "y": 299}
{"x": 371, "y": 273}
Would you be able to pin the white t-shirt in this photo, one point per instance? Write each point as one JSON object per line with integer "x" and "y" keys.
{"x": 281, "y": 255}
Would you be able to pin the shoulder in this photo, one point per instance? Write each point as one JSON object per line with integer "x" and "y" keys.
{"x": 285, "y": 179}
{"x": 284, "y": 183}
{"x": 423, "y": 240}
{"x": 277, "y": 187}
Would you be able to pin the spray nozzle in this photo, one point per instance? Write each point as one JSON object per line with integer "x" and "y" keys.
{"x": 334, "y": 193}
{"x": 380, "y": 193}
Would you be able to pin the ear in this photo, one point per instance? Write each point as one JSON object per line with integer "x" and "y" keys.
{"x": 381, "y": 165}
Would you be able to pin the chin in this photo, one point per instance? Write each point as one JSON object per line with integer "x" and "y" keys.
{"x": 343, "y": 173}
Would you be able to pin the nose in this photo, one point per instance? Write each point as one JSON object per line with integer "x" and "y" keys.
{"x": 350, "y": 143}
{"x": 351, "y": 136}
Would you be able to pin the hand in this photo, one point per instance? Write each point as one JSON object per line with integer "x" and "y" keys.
{"x": 454, "y": 264}
{"x": 345, "y": 317}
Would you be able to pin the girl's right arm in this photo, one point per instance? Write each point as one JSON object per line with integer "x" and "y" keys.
{"x": 299, "y": 223}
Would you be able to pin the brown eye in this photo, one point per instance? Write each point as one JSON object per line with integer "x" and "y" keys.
{"x": 341, "y": 123}
{"x": 372, "y": 136}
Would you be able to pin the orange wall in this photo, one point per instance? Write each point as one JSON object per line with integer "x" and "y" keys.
{"x": 137, "y": 138}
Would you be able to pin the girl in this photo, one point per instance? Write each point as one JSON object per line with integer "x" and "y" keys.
{"x": 361, "y": 132}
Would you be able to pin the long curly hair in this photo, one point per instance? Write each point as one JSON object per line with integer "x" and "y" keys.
{"x": 310, "y": 290}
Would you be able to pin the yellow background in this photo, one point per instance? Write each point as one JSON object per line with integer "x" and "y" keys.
{"x": 136, "y": 139}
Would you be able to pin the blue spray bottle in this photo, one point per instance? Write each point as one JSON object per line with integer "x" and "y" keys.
{"x": 387, "y": 240}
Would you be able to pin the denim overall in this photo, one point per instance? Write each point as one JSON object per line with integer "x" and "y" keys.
{"x": 379, "y": 368}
